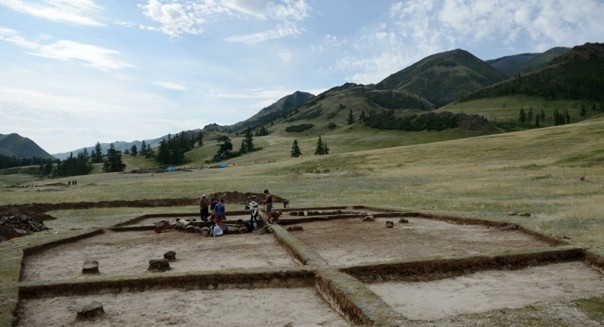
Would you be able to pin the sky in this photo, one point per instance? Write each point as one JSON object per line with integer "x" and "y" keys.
{"x": 77, "y": 72}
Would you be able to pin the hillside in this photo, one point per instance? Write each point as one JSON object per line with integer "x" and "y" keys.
{"x": 526, "y": 62}
{"x": 277, "y": 110}
{"x": 578, "y": 74}
{"x": 511, "y": 65}
{"x": 443, "y": 77}
{"x": 21, "y": 147}
{"x": 435, "y": 81}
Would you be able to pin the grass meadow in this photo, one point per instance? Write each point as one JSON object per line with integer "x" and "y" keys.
{"x": 536, "y": 171}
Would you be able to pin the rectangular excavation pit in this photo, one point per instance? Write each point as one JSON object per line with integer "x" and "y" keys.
{"x": 128, "y": 253}
{"x": 346, "y": 242}
{"x": 150, "y": 219}
{"x": 488, "y": 290}
{"x": 269, "y": 298}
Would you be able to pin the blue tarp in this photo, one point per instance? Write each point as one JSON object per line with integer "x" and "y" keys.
{"x": 171, "y": 168}
{"x": 221, "y": 165}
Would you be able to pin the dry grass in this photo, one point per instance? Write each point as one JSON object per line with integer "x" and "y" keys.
{"x": 536, "y": 171}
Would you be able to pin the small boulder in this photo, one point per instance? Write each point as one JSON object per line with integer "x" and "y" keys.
{"x": 170, "y": 255}
{"x": 369, "y": 218}
{"x": 526, "y": 214}
{"x": 90, "y": 267}
{"x": 389, "y": 224}
{"x": 403, "y": 221}
{"x": 90, "y": 311}
{"x": 159, "y": 265}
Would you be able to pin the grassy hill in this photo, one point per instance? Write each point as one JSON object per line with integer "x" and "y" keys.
{"x": 444, "y": 77}
{"x": 526, "y": 62}
{"x": 21, "y": 147}
{"x": 576, "y": 75}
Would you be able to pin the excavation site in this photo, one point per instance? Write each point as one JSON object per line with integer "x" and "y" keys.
{"x": 337, "y": 266}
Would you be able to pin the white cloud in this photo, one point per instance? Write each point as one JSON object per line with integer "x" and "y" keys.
{"x": 419, "y": 28}
{"x": 179, "y": 17}
{"x": 279, "y": 32}
{"x": 172, "y": 86}
{"x": 90, "y": 55}
{"x": 77, "y": 12}
{"x": 255, "y": 8}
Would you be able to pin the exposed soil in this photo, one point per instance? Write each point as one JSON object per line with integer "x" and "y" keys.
{"x": 342, "y": 242}
{"x": 38, "y": 211}
{"x": 495, "y": 289}
{"x": 128, "y": 253}
{"x": 37, "y": 208}
{"x": 352, "y": 241}
{"x": 231, "y": 307}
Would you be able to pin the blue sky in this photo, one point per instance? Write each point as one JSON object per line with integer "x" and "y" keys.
{"x": 74, "y": 72}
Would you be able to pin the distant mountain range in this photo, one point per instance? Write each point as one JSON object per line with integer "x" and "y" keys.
{"x": 15, "y": 145}
{"x": 431, "y": 83}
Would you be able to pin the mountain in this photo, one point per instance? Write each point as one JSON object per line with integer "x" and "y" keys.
{"x": 512, "y": 65}
{"x": 277, "y": 110}
{"x": 526, "y": 62}
{"x": 443, "y": 77}
{"x": 21, "y": 147}
{"x": 576, "y": 75}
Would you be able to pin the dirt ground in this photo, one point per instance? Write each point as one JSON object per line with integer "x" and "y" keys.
{"x": 128, "y": 253}
{"x": 494, "y": 289}
{"x": 231, "y": 307}
{"x": 352, "y": 241}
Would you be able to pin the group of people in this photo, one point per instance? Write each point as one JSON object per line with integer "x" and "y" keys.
{"x": 214, "y": 211}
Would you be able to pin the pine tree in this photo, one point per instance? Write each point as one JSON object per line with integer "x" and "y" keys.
{"x": 163, "y": 152}
{"x": 325, "y": 148}
{"x": 247, "y": 144}
{"x": 113, "y": 161}
{"x": 522, "y": 116}
{"x": 144, "y": 149}
{"x": 133, "y": 150}
{"x": 529, "y": 116}
{"x": 224, "y": 148}
{"x": 350, "y": 119}
{"x": 319, "y": 149}
{"x": 583, "y": 110}
{"x": 295, "y": 152}
{"x": 149, "y": 152}
{"x": 97, "y": 153}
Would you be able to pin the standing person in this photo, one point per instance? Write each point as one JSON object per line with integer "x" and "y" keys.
{"x": 219, "y": 213}
{"x": 212, "y": 206}
{"x": 268, "y": 200}
{"x": 204, "y": 205}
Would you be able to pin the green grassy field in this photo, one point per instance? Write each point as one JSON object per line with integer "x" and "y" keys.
{"x": 535, "y": 171}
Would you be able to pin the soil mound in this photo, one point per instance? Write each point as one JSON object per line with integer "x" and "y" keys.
{"x": 19, "y": 225}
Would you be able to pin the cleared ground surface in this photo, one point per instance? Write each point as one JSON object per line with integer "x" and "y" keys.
{"x": 231, "y": 307}
{"x": 488, "y": 290}
{"x": 128, "y": 253}
{"x": 352, "y": 241}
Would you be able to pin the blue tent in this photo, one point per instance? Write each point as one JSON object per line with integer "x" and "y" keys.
{"x": 221, "y": 165}
{"x": 171, "y": 168}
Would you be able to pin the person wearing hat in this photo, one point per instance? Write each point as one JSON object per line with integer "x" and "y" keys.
{"x": 204, "y": 205}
